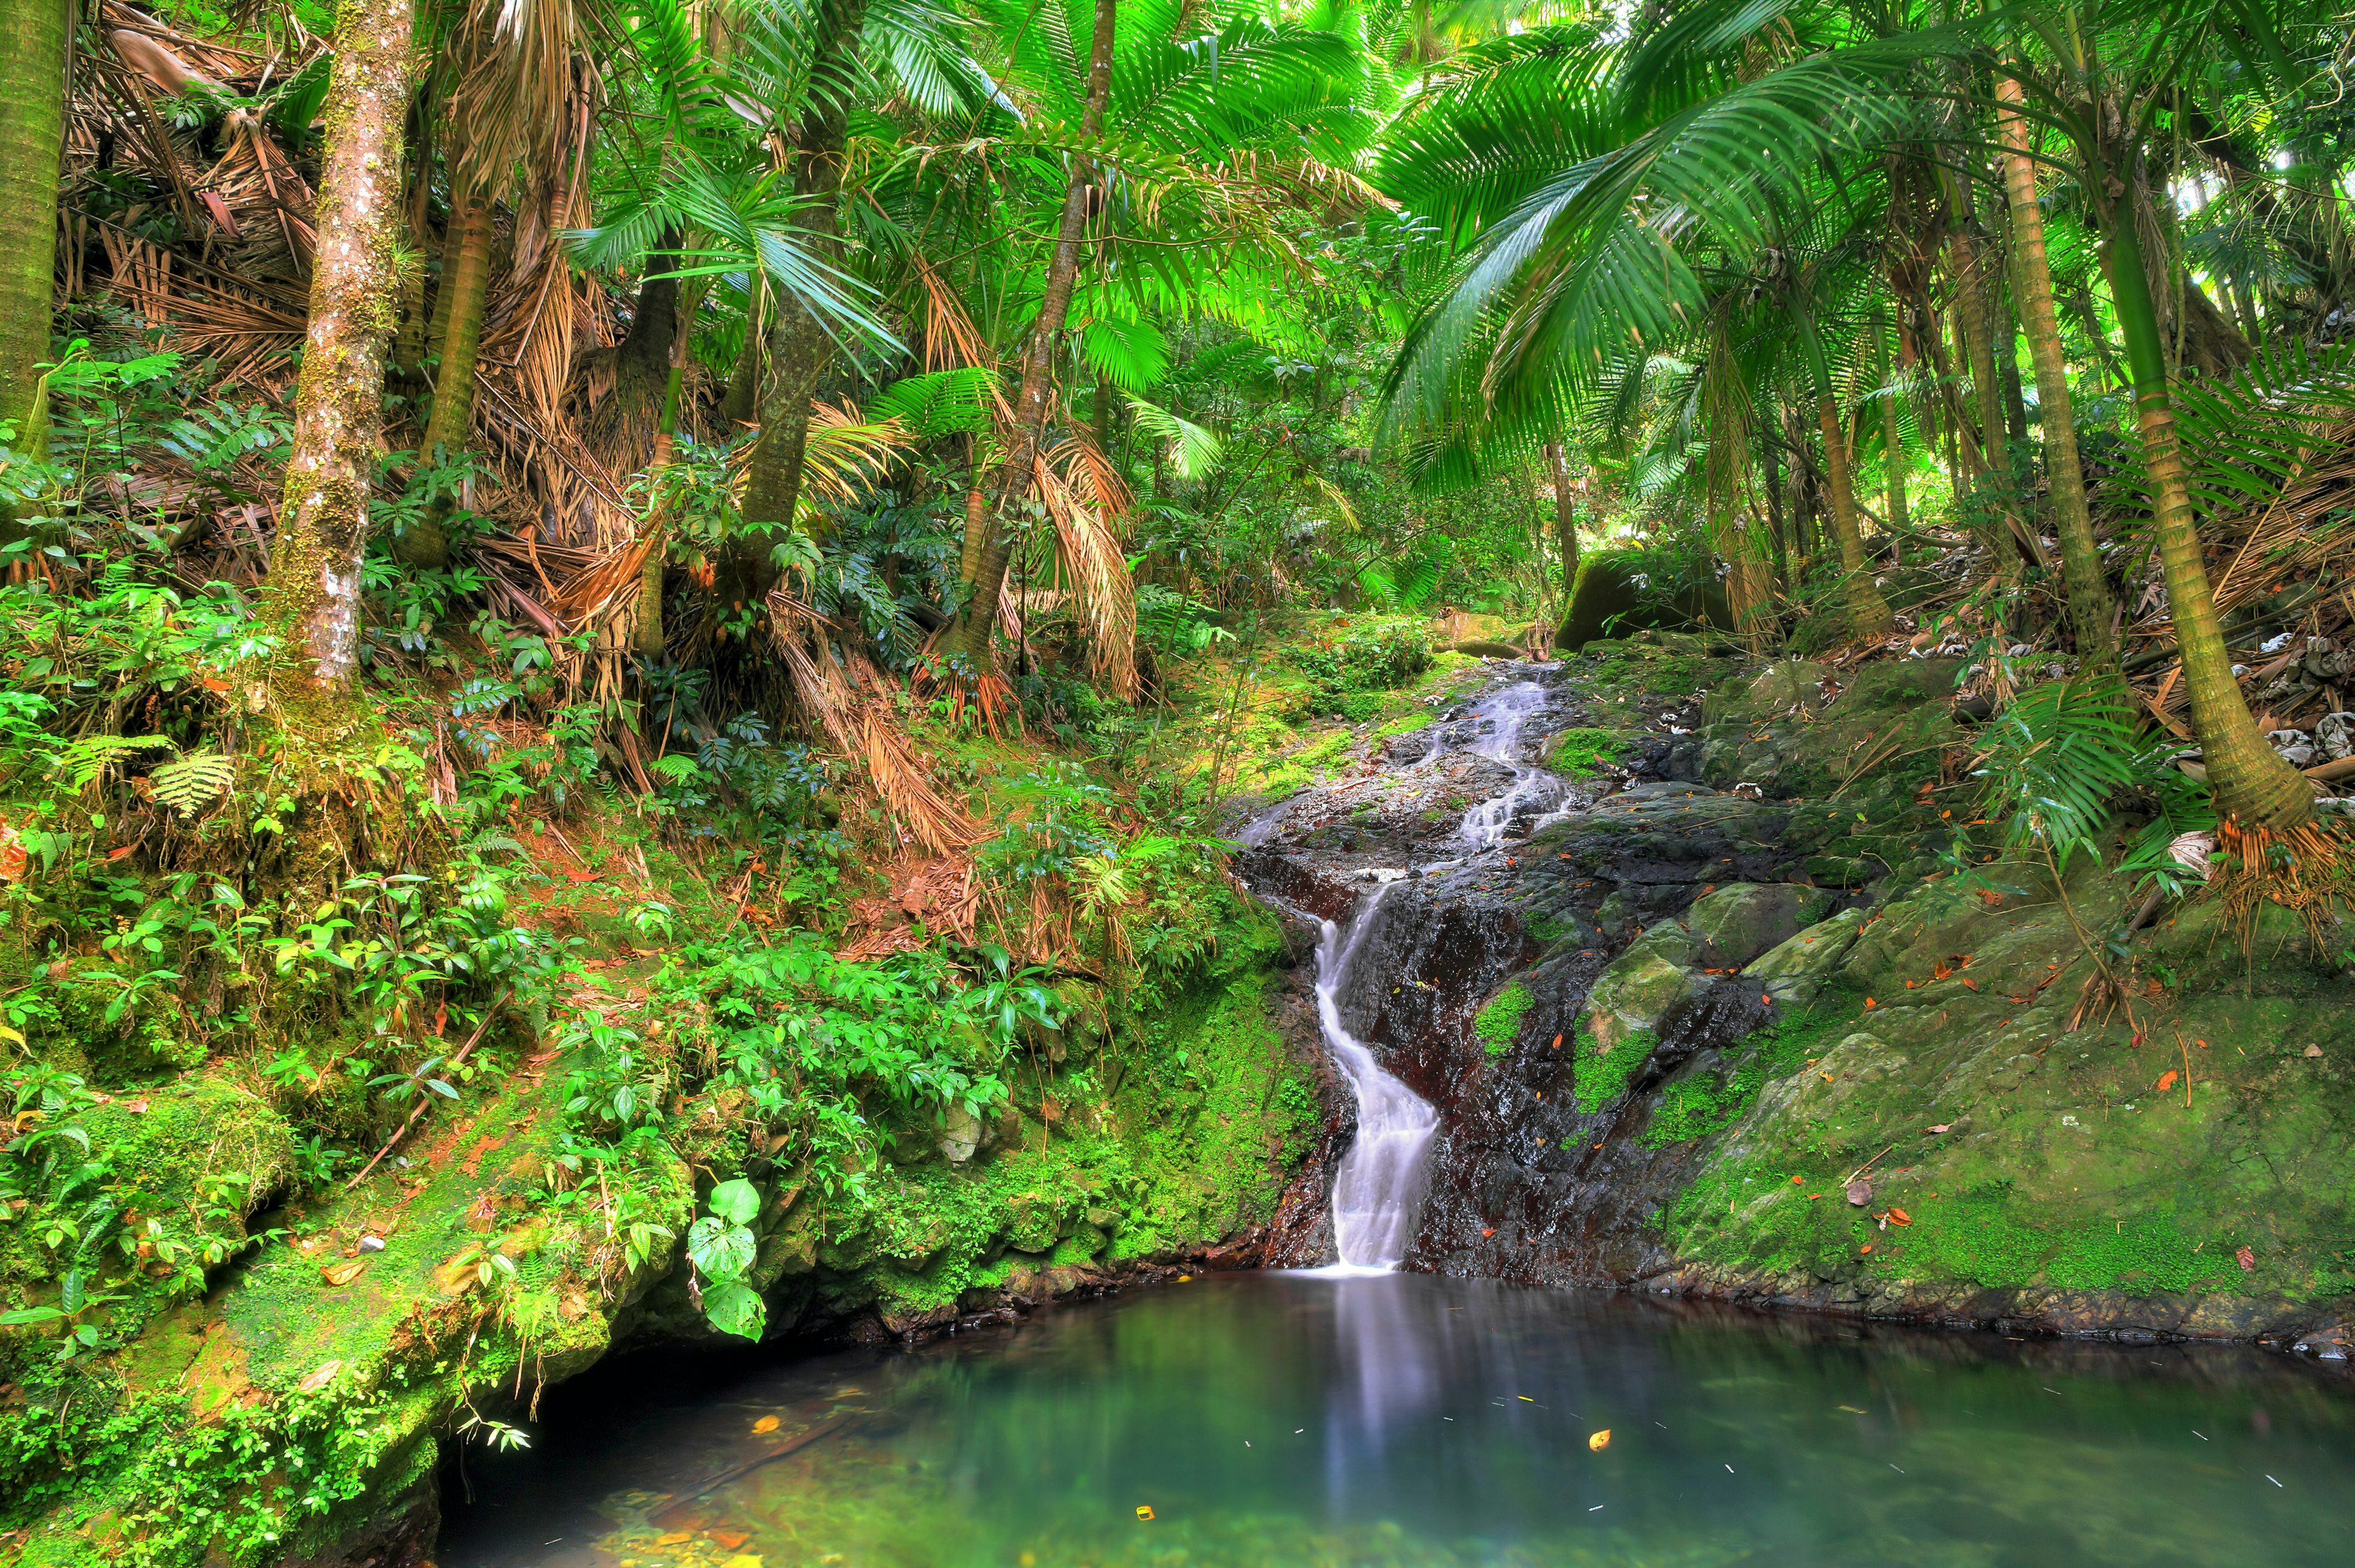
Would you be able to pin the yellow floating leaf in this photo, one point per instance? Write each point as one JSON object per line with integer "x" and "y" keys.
{"x": 1144, "y": 1511}
{"x": 674, "y": 1537}
{"x": 766, "y": 1424}
{"x": 743, "y": 1560}
{"x": 1600, "y": 1441}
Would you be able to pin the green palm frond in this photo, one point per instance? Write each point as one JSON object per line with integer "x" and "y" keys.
{"x": 1193, "y": 451}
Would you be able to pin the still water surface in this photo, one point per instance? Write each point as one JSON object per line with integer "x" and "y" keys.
{"x": 1274, "y": 1421}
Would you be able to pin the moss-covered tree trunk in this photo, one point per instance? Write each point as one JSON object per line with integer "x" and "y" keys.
{"x": 2091, "y": 611}
{"x": 970, "y": 634}
{"x": 314, "y": 596}
{"x": 2253, "y": 786}
{"x": 34, "y": 42}
{"x": 799, "y": 348}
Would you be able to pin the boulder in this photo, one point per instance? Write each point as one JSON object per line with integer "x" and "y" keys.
{"x": 1655, "y": 973}
{"x": 1739, "y": 922}
{"x": 1796, "y": 971}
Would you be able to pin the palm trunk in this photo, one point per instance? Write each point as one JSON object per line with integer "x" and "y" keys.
{"x": 466, "y": 283}
{"x": 1978, "y": 349}
{"x": 36, "y": 43}
{"x": 1868, "y": 612}
{"x": 741, "y": 405}
{"x": 2253, "y": 786}
{"x": 1770, "y": 448}
{"x": 314, "y": 596}
{"x": 1565, "y": 519}
{"x": 2090, "y": 607}
{"x": 466, "y": 293}
{"x": 970, "y": 634}
{"x": 1892, "y": 439}
{"x": 799, "y": 349}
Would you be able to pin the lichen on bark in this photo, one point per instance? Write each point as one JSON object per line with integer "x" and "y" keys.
{"x": 315, "y": 577}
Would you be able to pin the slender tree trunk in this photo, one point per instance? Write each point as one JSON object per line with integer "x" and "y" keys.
{"x": 2253, "y": 786}
{"x": 465, "y": 282}
{"x": 449, "y": 429}
{"x": 36, "y": 44}
{"x": 741, "y": 405}
{"x": 1565, "y": 519}
{"x": 314, "y": 596}
{"x": 1772, "y": 450}
{"x": 1892, "y": 439}
{"x": 1978, "y": 349}
{"x": 2091, "y": 610}
{"x": 970, "y": 634}
{"x": 799, "y": 348}
{"x": 1868, "y": 612}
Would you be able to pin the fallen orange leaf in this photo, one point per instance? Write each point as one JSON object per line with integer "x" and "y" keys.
{"x": 1974, "y": 985}
{"x": 729, "y": 1540}
{"x": 1867, "y": 1246}
{"x": 1870, "y": 1004}
{"x": 1798, "y": 1182}
{"x": 766, "y": 1424}
{"x": 2167, "y": 1079}
{"x": 1600, "y": 1441}
{"x": 1899, "y": 1217}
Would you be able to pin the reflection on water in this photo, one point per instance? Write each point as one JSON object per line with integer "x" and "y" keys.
{"x": 1291, "y": 1421}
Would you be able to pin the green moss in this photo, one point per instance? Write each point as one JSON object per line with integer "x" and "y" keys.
{"x": 1496, "y": 1024}
{"x": 1601, "y": 1076}
{"x": 1582, "y": 753}
{"x": 1708, "y": 1102}
{"x": 1405, "y": 724}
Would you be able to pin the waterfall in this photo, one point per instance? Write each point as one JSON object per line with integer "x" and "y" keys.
{"x": 1502, "y": 713}
{"x": 1379, "y": 1185}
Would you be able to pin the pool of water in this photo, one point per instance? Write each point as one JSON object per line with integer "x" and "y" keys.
{"x": 1285, "y": 1421}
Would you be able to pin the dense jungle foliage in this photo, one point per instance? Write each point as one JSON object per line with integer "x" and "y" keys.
{"x": 702, "y": 579}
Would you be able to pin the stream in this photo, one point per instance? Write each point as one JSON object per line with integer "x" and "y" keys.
{"x": 1391, "y": 1399}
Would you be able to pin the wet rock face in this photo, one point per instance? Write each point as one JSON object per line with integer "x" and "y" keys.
{"x": 1820, "y": 1071}
{"x": 1517, "y": 1186}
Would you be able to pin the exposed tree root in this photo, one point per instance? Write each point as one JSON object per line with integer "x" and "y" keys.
{"x": 2310, "y": 868}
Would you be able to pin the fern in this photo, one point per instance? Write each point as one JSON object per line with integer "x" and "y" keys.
{"x": 189, "y": 783}
{"x": 678, "y": 768}
{"x": 2055, "y": 758}
{"x": 88, "y": 760}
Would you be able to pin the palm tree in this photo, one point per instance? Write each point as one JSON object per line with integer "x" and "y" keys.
{"x": 314, "y": 597}
{"x": 2090, "y": 607}
{"x": 35, "y": 38}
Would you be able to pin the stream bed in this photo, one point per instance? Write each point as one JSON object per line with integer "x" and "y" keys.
{"x": 1281, "y": 1420}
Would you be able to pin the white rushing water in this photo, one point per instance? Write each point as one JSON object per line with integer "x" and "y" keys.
{"x": 1379, "y": 1185}
{"x": 1501, "y": 715}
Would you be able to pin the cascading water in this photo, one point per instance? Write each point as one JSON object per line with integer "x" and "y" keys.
{"x": 1379, "y": 1185}
{"x": 1502, "y": 713}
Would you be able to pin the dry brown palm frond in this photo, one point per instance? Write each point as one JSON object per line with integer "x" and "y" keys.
{"x": 852, "y": 702}
{"x": 1090, "y": 555}
{"x": 612, "y": 580}
{"x": 952, "y": 342}
{"x": 846, "y": 453}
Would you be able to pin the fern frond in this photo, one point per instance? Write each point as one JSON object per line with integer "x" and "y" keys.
{"x": 189, "y": 783}
{"x": 87, "y": 759}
